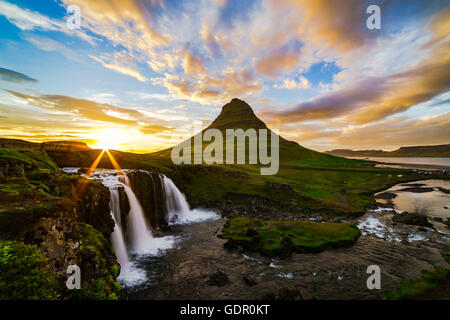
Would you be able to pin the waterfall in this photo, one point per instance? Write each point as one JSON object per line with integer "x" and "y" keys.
{"x": 176, "y": 204}
{"x": 128, "y": 273}
{"x": 140, "y": 234}
{"x": 178, "y": 211}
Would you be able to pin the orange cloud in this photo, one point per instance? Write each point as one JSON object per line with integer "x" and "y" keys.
{"x": 278, "y": 62}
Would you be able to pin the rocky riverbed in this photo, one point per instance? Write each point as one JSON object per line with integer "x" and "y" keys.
{"x": 200, "y": 267}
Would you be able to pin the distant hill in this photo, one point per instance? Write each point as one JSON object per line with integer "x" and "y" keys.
{"x": 414, "y": 151}
{"x": 18, "y": 144}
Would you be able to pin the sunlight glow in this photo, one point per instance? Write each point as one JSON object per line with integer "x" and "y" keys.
{"x": 110, "y": 139}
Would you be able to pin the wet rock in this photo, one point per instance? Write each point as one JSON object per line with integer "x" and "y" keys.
{"x": 417, "y": 190}
{"x": 93, "y": 208}
{"x": 413, "y": 219}
{"x": 446, "y": 191}
{"x": 289, "y": 293}
{"x": 124, "y": 208}
{"x": 386, "y": 196}
{"x": 218, "y": 279}
{"x": 287, "y": 246}
{"x": 279, "y": 186}
{"x": 249, "y": 280}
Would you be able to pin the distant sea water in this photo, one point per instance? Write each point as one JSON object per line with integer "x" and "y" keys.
{"x": 414, "y": 162}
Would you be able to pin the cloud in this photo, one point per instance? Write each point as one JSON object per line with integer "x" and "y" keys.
{"x": 47, "y": 44}
{"x": 275, "y": 63}
{"x": 124, "y": 22}
{"x": 402, "y": 131}
{"x": 13, "y": 76}
{"x": 192, "y": 65}
{"x": 375, "y": 98}
{"x": 121, "y": 63}
{"x": 336, "y": 24}
{"x": 301, "y": 83}
{"x": 334, "y": 104}
{"x": 154, "y": 129}
{"x": 86, "y": 109}
{"x": 406, "y": 132}
{"x": 28, "y": 20}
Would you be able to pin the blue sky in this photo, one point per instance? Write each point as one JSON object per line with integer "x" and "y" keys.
{"x": 144, "y": 71}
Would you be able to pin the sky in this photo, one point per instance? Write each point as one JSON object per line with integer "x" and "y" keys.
{"x": 141, "y": 73}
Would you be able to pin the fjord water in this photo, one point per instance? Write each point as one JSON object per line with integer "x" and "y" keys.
{"x": 405, "y": 161}
{"x": 434, "y": 202}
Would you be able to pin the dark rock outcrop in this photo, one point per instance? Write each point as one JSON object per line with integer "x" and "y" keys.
{"x": 93, "y": 208}
{"x": 413, "y": 219}
{"x": 124, "y": 208}
{"x": 218, "y": 279}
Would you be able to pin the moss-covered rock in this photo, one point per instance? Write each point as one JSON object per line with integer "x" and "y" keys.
{"x": 431, "y": 286}
{"x": 23, "y": 274}
{"x": 281, "y": 238}
{"x": 98, "y": 265}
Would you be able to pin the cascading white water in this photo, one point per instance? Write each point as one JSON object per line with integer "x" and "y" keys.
{"x": 141, "y": 237}
{"x": 114, "y": 205}
{"x": 128, "y": 273}
{"x": 178, "y": 211}
{"x": 140, "y": 234}
{"x": 176, "y": 204}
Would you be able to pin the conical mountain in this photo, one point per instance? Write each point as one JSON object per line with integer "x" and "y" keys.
{"x": 237, "y": 114}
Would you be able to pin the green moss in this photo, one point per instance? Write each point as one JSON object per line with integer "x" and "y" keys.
{"x": 37, "y": 159}
{"x": 22, "y": 273}
{"x": 433, "y": 285}
{"x": 11, "y": 221}
{"x": 21, "y": 187}
{"x": 446, "y": 257}
{"x": 281, "y": 238}
{"x": 105, "y": 287}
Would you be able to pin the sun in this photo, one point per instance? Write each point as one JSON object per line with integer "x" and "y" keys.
{"x": 109, "y": 139}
